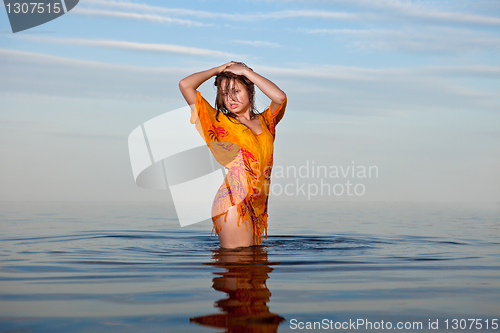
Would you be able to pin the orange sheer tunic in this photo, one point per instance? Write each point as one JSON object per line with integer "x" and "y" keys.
{"x": 248, "y": 160}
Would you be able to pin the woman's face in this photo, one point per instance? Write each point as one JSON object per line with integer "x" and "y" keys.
{"x": 237, "y": 100}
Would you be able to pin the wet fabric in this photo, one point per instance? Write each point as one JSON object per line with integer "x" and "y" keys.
{"x": 248, "y": 159}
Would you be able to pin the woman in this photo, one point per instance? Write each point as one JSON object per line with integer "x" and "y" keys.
{"x": 241, "y": 140}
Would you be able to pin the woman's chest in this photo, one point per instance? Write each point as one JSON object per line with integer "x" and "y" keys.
{"x": 253, "y": 125}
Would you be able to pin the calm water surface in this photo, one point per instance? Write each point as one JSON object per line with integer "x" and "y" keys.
{"x": 129, "y": 267}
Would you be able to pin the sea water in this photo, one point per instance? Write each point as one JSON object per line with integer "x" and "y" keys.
{"x": 130, "y": 267}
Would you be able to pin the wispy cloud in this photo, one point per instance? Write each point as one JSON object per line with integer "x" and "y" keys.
{"x": 423, "y": 40}
{"x": 257, "y": 43}
{"x": 134, "y": 46}
{"x": 136, "y": 16}
{"x": 347, "y": 73}
{"x": 425, "y": 12}
{"x": 283, "y": 14}
{"x": 40, "y": 75}
{"x": 154, "y": 9}
{"x": 309, "y": 14}
{"x": 455, "y": 17}
{"x": 407, "y": 12}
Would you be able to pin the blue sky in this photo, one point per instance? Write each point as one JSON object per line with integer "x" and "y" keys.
{"x": 409, "y": 86}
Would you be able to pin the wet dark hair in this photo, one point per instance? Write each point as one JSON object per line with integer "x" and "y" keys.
{"x": 231, "y": 78}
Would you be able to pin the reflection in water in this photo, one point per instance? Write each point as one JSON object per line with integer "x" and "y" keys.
{"x": 244, "y": 281}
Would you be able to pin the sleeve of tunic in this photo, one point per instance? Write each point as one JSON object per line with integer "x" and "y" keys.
{"x": 210, "y": 128}
{"x": 215, "y": 132}
{"x": 272, "y": 119}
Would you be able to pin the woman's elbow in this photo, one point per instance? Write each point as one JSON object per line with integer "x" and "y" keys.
{"x": 280, "y": 98}
{"x": 185, "y": 88}
{"x": 182, "y": 85}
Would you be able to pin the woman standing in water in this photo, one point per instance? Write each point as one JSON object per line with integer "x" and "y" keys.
{"x": 242, "y": 141}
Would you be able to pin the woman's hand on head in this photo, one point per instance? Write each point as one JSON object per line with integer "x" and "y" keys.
{"x": 236, "y": 68}
{"x": 221, "y": 68}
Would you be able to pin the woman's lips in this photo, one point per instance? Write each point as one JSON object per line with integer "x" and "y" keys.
{"x": 234, "y": 106}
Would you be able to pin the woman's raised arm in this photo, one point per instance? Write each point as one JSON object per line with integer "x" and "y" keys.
{"x": 189, "y": 84}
